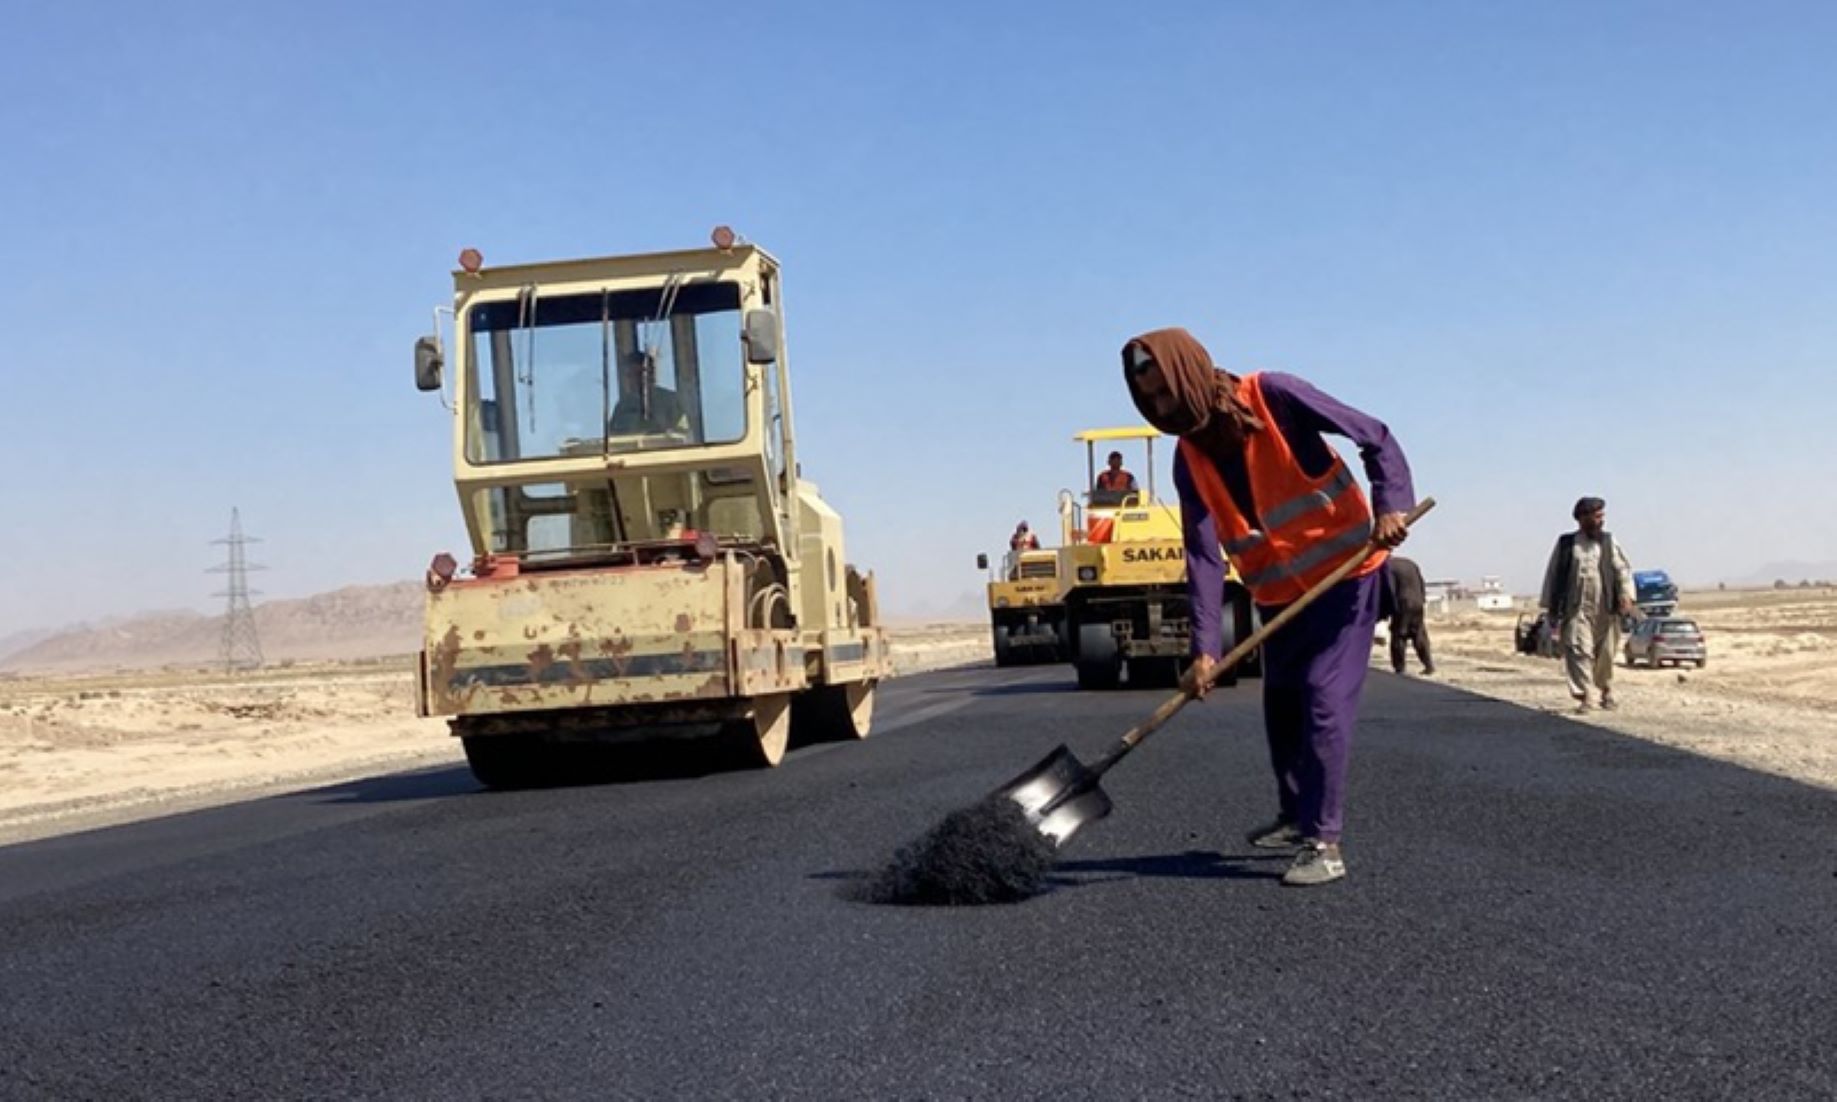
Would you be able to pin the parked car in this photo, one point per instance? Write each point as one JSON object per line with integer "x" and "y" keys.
{"x": 1657, "y": 640}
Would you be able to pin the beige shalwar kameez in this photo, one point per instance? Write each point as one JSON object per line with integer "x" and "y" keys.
{"x": 1590, "y": 634}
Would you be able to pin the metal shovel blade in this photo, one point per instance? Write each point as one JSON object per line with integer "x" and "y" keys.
{"x": 1059, "y": 795}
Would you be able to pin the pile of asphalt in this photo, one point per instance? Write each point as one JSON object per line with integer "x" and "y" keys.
{"x": 985, "y": 853}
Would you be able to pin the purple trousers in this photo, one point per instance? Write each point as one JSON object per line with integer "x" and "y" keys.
{"x": 1313, "y": 672}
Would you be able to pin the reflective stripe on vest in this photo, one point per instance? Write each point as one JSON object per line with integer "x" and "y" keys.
{"x": 1297, "y": 507}
{"x": 1309, "y": 526}
{"x": 1326, "y": 551}
{"x": 1294, "y": 509}
{"x": 1246, "y": 545}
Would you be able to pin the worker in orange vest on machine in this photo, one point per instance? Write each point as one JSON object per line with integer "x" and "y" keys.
{"x": 1114, "y": 480}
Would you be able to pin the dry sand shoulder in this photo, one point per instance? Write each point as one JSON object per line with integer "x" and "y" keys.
{"x": 78, "y": 752}
{"x": 1766, "y": 701}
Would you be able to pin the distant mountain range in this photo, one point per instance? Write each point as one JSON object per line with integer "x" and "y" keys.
{"x": 17, "y": 641}
{"x": 361, "y": 621}
{"x": 967, "y": 607}
{"x": 1792, "y": 572}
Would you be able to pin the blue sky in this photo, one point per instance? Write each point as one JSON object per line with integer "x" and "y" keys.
{"x": 1560, "y": 248}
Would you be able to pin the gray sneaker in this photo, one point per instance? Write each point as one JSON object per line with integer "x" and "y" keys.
{"x": 1280, "y": 834}
{"x": 1317, "y": 863}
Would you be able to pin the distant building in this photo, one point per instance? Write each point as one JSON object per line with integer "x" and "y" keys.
{"x": 1447, "y": 595}
{"x": 1492, "y": 596}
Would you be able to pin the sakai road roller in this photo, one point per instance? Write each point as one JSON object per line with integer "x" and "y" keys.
{"x": 1027, "y": 607}
{"x": 1112, "y": 598}
{"x": 646, "y": 561}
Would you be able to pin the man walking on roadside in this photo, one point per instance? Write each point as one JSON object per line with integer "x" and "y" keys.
{"x": 1588, "y": 587}
{"x": 1409, "y": 602}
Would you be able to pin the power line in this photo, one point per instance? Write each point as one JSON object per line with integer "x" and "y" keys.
{"x": 241, "y": 648}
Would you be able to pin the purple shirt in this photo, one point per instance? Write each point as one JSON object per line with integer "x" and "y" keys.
{"x": 1302, "y": 414}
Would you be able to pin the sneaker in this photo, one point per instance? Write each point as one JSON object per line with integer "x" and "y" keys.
{"x": 1280, "y": 834}
{"x": 1317, "y": 863}
{"x": 1608, "y": 703}
{"x": 1581, "y": 706}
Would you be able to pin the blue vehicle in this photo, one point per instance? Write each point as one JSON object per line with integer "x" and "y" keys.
{"x": 1654, "y": 592}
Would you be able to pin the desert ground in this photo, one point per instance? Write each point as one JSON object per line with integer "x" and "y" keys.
{"x": 86, "y": 750}
{"x": 1767, "y": 699}
{"x": 79, "y": 751}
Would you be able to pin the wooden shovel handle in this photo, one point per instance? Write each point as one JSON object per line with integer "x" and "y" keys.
{"x": 1172, "y": 707}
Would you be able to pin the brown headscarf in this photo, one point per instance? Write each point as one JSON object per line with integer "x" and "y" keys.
{"x": 1199, "y": 389}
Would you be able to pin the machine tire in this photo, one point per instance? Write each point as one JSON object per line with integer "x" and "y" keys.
{"x": 1244, "y": 617}
{"x": 760, "y": 740}
{"x": 833, "y": 713}
{"x": 504, "y": 761}
{"x": 1098, "y": 664}
{"x": 1229, "y": 635}
{"x": 1004, "y": 650}
{"x": 1045, "y": 654}
{"x": 1154, "y": 673}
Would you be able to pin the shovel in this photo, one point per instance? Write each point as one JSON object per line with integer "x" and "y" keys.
{"x": 1061, "y": 794}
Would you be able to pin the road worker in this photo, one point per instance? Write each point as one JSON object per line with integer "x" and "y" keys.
{"x": 1254, "y": 474}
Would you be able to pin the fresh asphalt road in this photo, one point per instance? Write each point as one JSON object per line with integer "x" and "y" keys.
{"x": 1536, "y": 908}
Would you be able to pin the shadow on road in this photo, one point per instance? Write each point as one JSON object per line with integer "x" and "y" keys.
{"x": 569, "y": 766}
{"x": 429, "y": 784}
{"x": 1194, "y": 864}
{"x": 1026, "y": 688}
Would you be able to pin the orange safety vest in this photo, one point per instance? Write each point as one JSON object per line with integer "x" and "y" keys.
{"x": 1120, "y": 481}
{"x": 1310, "y": 524}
